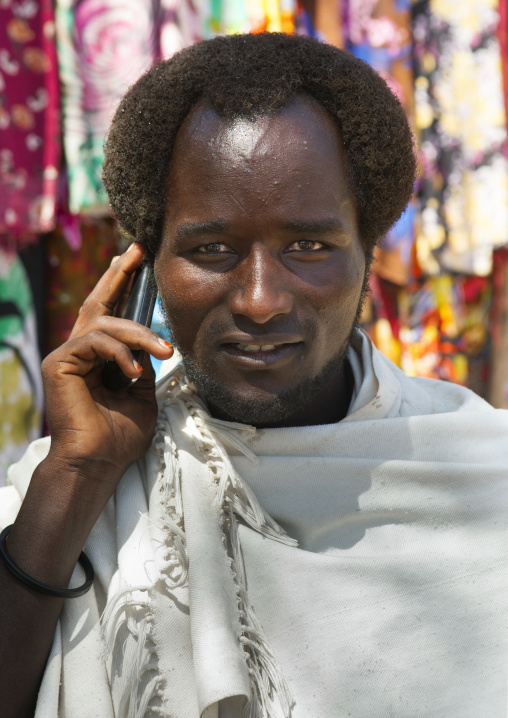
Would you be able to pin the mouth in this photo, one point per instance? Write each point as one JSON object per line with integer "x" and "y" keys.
{"x": 262, "y": 355}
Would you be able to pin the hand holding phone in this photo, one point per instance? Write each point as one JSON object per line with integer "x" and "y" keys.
{"x": 97, "y": 433}
{"x": 139, "y": 309}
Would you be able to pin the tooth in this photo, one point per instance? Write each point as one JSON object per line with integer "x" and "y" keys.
{"x": 267, "y": 347}
{"x": 252, "y": 347}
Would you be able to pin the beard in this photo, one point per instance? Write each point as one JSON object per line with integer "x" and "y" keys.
{"x": 275, "y": 408}
{"x": 225, "y": 404}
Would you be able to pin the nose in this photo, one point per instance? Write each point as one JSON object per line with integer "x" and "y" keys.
{"x": 259, "y": 293}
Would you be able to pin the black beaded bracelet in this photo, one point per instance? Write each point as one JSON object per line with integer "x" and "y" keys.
{"x": 41, "y": 587}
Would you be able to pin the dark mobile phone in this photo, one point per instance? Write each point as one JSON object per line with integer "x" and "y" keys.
{"x": 140, "y": 309}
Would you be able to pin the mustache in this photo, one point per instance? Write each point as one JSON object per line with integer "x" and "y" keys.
{"x": 286, "y": 325}
{"x": 221, "y": 327}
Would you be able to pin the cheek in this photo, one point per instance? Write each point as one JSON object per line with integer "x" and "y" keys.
{"x": 337, "y": 304}
{"x": 188, "y": 295}
{"x": 339, "y": 285}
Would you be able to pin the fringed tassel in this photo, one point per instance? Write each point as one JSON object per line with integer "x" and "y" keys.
{"x": 266, "y": 677}
{"x": 230, "y": 487}
{"x": 176, "y": 563}
{"x": 130, "y": 620}
{"x": 269, "y": 691}
{"x": 132, "y": 617}
{"x": 124, "y": 611}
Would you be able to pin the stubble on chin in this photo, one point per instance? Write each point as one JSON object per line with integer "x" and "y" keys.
{"x": 256, "y": 411}
{"x": 226, "y": 404}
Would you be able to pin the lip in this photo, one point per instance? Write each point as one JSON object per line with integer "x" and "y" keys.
{"x": 262, "y": 340}
{"x": 272, "y": 358}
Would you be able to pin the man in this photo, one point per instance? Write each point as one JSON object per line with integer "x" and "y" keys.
{"x": 301, "y": 529}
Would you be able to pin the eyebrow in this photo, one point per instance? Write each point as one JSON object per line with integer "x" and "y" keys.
{"x": 295, "y": 226}
{"x": 319, "y": 226}
{"x": 198, "y": 229}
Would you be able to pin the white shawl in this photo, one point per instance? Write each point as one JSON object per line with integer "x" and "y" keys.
{"x": 395, "y": 603}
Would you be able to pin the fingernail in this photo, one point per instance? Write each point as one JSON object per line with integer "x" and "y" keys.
{"x": 137, "y": 366}
{"x": 131, "y": 246}
{"x": 165, "y": 344}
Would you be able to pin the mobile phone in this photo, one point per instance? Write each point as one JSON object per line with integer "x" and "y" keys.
{"x": 139, "y": 309}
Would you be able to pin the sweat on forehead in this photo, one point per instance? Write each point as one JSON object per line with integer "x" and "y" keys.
{"x": 302, "y": 125}
{"x": 244, "y": 75}
{"x": 303, "y": 118}
{"x": 255, "y": 160}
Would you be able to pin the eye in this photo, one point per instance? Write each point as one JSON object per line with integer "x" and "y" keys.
{"x": 306, "y": 245}
{"x": 213, "y": 248}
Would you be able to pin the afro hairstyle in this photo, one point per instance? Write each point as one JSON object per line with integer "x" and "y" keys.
{"x": 247, "y": 76}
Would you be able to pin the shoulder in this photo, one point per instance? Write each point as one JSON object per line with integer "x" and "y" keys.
{"x": 438, "y": 397}
{"x": 420, "y": 396}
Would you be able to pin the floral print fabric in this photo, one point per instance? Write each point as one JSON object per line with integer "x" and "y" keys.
{"x": 461, "y": 121}
{"x": 29, "y": 118}
{"x": 379, "y": 32}
{"x": 103, "y": 47}
{"x": 73, "y": 272}
{"x": 20, "y": 381}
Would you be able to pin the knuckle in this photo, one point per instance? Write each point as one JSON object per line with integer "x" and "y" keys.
{"x": 100, "y": 323}
{"x": 95, "y": 336}
{"x": 86, "y": 304}
{"x": 124, "y": 351}
{"x": 47, "y": 363}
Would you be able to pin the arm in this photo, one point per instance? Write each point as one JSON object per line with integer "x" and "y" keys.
{"x": 96, "y": 436}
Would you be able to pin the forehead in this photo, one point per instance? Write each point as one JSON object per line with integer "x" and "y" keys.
{"x": 269, "y": 163}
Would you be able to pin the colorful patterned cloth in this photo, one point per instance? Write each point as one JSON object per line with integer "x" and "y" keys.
{"x": 498, "y": 386}
{"x": 73, "y": 273}
{"x": 461, "y": 119}
{"x": 436, "y": 327}
{"x": 103, "y": 47}
{"x": 379, "y": 32}
{"x": 29, "y": 118}
{"x": 502, "y": 34}
{"x": 20, "y": 380}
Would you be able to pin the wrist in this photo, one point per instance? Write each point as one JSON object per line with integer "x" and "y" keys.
{"x": 64, "y": 461}
{"x": 62, "y": 503}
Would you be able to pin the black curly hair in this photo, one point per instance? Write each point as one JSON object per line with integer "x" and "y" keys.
{"x": 246, "y": 76}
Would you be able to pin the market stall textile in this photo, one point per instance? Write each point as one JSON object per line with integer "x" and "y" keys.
{"x": 436, "y": 327}
{"x": 498, "y": 388}
{"x": 73, "y": 272}
{"x": 103, "y": 47}
{"x": 502, "y": 34}
{"x": 461, "y": 121}
{"x": 20, "y": 380}
{"x": 29, "y": 119}
{"x": 379, "y": 32}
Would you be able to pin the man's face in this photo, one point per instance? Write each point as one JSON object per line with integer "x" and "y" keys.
{"x": 260, "y": 269}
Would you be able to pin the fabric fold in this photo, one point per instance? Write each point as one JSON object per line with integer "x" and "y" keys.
{"x": 399, "y": 514}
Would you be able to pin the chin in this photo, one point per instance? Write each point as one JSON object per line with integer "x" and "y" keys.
{"x": 258, "y": 408}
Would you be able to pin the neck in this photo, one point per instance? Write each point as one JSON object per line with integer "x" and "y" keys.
{"x": 329, "y": 405}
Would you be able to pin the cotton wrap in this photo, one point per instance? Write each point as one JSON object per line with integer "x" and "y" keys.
{"x": 393, "y": 604}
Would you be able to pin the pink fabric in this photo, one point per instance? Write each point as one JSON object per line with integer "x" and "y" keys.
{"x": 29, "y": 118}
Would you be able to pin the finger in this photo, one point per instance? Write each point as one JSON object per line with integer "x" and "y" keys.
{"x": 122, "y": 302}
{"x": 104, "y": 297}
{"x": 147, "y": 378}
{"x": 134, "y": 335}
{"x": 82, "y": 355}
